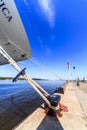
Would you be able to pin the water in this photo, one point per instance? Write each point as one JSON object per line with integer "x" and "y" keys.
{"x": 18, "y": 100}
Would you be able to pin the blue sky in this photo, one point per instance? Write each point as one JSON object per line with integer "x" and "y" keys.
{"x": 57, "y": 31}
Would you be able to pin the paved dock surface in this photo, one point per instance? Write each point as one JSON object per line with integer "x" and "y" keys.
{"x": 75, "y": 119}
{"x": 81, "y": 93}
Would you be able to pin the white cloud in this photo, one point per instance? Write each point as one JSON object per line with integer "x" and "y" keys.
{"x": 48, "y": 51}
{"x": 48, "y": 10}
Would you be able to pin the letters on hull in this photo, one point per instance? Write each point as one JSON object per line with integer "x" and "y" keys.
{"x": 13, "y": 37}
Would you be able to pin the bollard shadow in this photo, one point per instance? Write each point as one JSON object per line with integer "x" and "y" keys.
{"x": 50, "y": 123}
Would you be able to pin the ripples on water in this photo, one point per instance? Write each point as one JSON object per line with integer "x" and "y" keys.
{"x": 18, "y": 100}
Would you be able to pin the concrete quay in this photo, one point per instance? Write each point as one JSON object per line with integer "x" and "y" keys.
{"x": 76, "y": 119}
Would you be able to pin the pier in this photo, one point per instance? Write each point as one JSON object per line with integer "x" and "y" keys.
{"x": 75, "y": 98}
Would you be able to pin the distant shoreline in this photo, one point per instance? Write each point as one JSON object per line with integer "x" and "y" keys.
{"x": 11, "y": 78}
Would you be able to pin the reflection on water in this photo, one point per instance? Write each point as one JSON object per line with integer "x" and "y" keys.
{"x": 18, "y": 100}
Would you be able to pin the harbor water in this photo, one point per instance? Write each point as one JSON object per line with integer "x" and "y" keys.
{"x": 19, "y": 100}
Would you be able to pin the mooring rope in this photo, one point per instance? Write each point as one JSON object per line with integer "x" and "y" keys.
{"x": 38, "y": 63}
